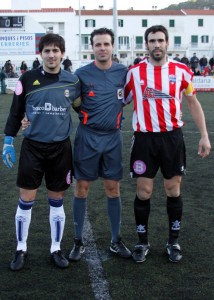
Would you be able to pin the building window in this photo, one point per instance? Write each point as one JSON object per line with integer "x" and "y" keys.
{"x": 85, "y": 41}
{"x": 177, "y": 40}
{"x": 120, "y": 23}
{"x": 144, "y": 23}
{"x": 61, "y": 29}
{"x": 171, "y": 23}
{"x": 124, "y": 42}
{"x": 194, "y": 40}
{"x": 85, "y": 56}
{"x": 205, "y": 39}
{"x": 123, "y": 55}
{"x": 90, "y": 23}
{"x": 200, "y": 22}
{"x": 92, "y": 56}
{"x": 138, "y": 42}
{"x": 49, "y": 27}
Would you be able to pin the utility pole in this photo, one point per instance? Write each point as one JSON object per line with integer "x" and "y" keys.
{"x": 115, "y": 24}
{"x": 80, "y": 41}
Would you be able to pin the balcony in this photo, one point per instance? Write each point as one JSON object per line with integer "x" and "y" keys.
{"x": 86, "y": 47}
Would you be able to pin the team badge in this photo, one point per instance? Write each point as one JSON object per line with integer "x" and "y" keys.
{"x": 172, "y": 78}
{"x": 67, "y": 93}
{"x": 120, "y": 94}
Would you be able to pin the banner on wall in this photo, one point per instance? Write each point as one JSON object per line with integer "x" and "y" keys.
{"x": 17, "y": 44}
{"x": 201, "y": 84}
{"x": 204, "y": 83}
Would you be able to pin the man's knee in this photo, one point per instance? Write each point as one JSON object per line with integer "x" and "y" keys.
{"x": 82, "y": 189}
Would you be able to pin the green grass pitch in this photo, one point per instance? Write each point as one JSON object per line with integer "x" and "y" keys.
{"x": 157, "y": 278}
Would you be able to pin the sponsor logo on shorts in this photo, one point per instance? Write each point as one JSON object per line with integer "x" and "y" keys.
{"x": 139, "y": 167}
{"x": 68, "y": 178}
{"x": 19, "y": 88}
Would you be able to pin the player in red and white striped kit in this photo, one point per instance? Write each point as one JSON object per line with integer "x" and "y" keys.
{"x": 156, "y": 86}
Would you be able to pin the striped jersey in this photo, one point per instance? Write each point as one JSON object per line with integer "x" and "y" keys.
{"x": 157, "y": 94}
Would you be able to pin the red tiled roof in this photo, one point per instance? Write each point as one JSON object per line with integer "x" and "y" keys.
{"x": 42, "y": 10}
{"x": 207, "y": 12}
{"x": 100, "y": 12}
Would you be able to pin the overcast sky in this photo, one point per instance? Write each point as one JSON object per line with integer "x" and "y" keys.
{"x": 93, "y": 4}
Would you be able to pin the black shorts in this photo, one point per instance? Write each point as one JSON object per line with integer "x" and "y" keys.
{"x": 52, "y": 160}
{"x": 151, "y": 151}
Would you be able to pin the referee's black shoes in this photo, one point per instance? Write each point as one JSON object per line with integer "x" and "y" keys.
{"x": 59, "y": 259}
{"x": 19, "y": 260}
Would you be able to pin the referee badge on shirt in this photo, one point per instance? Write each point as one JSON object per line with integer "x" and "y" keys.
{"x": 120, "y": 94}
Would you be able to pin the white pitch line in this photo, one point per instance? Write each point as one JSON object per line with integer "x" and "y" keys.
{"x": 99, "y": 284}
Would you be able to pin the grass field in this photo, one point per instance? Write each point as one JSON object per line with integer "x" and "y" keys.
{"x": 100, "y": 275}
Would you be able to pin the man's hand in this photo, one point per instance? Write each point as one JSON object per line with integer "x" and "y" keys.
{"x": 9, "y": 153}
{"x": 204, "y": 147}
{"x": 25, "y": 123}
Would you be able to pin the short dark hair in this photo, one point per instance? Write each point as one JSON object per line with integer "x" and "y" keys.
{"x": 102, "y": 31}
{"x": 155, "y": 29}
{"x": 52, "y": 39}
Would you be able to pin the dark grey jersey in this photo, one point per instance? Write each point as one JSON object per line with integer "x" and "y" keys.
{"x": 46, "y": 99}
{"x": 102, "y": 95}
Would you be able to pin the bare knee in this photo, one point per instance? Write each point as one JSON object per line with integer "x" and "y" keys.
{"x": 172, "y": 186}
{"x": 27, "y": 195}
{"x": 82, "y": 188}
{"x": 144, "y": 188}
{"x": 112, "y": 188}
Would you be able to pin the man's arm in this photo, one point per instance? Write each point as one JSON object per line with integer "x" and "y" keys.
{"x": 199, "y": 119}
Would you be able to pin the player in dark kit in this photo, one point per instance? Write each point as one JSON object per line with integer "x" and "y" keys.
{"x": 98, "y": 142}
{"x": 45, "y": 95}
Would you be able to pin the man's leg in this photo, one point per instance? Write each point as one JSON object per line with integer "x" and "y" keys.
{"x": 22, "y": 223}
{"x": 57, "y": 224}
{"x": 79, "y": 208}
{"x": 112, "y": 189}
{"x": 142, "y": 211}
{"x": 174, "y": 211}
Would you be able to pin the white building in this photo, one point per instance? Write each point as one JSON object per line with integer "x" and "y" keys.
{"x": 189, "y": 31}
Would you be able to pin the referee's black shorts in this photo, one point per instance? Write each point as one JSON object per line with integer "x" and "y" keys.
{"x": 50, "y": 160}
{"x": 153, "y": 150}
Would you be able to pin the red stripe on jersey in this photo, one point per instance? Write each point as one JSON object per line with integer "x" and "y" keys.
{"x": 172, "y": 92}
{"x": 172, "y": 110}
{"x": 128, "y": 87}
{"x": 172, "y": 85}
{"x": 159, "y": 104}
{"x": 145, "y": 102}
